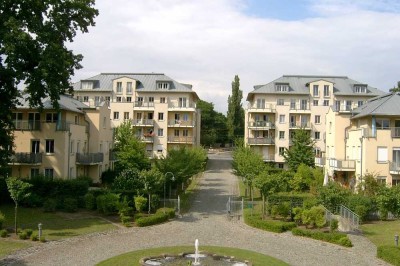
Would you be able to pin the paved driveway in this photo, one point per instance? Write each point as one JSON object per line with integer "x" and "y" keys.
{"x": 207, "y": 222}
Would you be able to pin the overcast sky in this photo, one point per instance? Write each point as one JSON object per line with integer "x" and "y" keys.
{"x": 207, "y": 42}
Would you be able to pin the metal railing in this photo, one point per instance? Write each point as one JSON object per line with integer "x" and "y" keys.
{"x": 89, "y": 158}
{"x": 26, "y": 158}
{"x": 262, "y": 107}
{"x": 342, "y": 164}
{"x": 181, "y": 123}
{"x": 300, "y": 106}
{"x": 269, "y": 158}
{"x": 143, "y": 122}
{"x": 319, "y": 161}
{"x": 262, "y": 124}
{"x": 188, "y": 139}
{"x": 297, "y": 125}
{"x": 395, "y": 132}
{"x": 27, "y": 125}
{"x": 253, "y": 141}
{"x": 394, "y": 166}
{"x": 143, "y": 104}
{"x": 112, "y": 156}
{"x": 181, "y": 105}
{"x": 352, "y": 218}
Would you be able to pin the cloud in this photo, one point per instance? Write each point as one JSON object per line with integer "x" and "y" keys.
{"x": 207, "y": 42}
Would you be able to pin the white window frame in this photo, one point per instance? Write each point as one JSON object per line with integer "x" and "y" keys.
{"x": 382, "y": 154}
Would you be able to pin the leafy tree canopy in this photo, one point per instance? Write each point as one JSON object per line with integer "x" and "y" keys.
{"x": 395, "y": 89}
{"x": 213, "y": 124}
{"x": 301, "y": 152}
{"x": 235, "y": 115}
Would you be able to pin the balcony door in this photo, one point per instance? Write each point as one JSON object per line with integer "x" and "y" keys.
{"x": 396, "y": 157}
{"x": 182, "y": 102}
{"x": 35, "y": 144}
{"x": 33, "y": 120}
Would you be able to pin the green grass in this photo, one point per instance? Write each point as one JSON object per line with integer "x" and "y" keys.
{"x": 9, "y": 246}
{"x": 132, "y": 258}
{"x": 55, "y": 225}
{"x": 381, "y": 232}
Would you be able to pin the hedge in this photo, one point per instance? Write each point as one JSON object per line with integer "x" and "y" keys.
{"x": 169, "y": 211}
{"x": 296, "y": 198}
{"x": 152, "y": 220}
{"x": 268, "y": 225}
{"x": 390, "y": 254}
{"x": 331, "y": 237}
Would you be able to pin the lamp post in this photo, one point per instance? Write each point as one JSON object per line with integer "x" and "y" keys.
{"x": 165, "y": 181}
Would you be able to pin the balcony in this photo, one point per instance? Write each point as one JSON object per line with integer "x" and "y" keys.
{"x": 182, "y": 106}
{"x": 27, "y": 125}
{"x": 112, "y": 156}
{"x": 343, "y": 108}
{"x": 269, "y": 158}
{"x": 89, "y": 158}
{"x": 319, "y": 161}
{"x": 261, "y": 108}
{"x": 143, "y": 122}
{"x": 181, "y": 123}
{"x": 342, "y": 165}
{"x": 26, "y": 158}
{"x": 66, "y": 126}
{"x": 395, "y": 132}
{"x": 394, "y": 168}
{"x": 300, "y": 125}
{"x": 302, "y": 107}
{"x": 173, "y": 139}
{"x": 262, "y": 124}
{"x": 143, "y": 105}
{"x": 260, "y": 141}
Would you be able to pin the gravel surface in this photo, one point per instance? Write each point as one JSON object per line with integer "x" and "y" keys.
{"x": 208, "y": 222}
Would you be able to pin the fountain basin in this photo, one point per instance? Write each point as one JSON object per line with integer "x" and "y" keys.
{"x": 184, "y": 258}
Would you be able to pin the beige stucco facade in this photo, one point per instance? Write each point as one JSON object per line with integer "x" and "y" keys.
{"x": 278, "y": 108}
{"x": 163, "y": 111}
{"x": 65, "y": 144}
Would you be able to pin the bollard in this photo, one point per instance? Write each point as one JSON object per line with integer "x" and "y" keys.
{"x": 40, "y": 230}
{"x": 396, "y": 240}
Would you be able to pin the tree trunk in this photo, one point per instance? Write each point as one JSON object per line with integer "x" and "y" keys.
{"x": 149, "y": 203}
{"x": 263, "y": 206}
{"x": 15, "y": 218}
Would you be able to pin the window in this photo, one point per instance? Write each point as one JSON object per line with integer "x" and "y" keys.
{"x": 315, "y": 102}
{"x": 360, "y": 103}
{"x": 281, "y": 134}
{"x": 185, "y": 117}
{"x": 185, "y": 133}
{"x": 119, "y": 87}
{"x": 281, "y": 151}
{"x": 395, "y": 182}
{"x": 176, "y": 133}
{"x": 78, "y": 146}
{"x": 71, "y": 172}
{"x": 281, "y": 119}
{"x": 260, "y": 103}
{"x": 280, "y": 102}
{"x": 17, "y": 117}
{"x": 326, "y": 90}
{"x": 381, "y": 180}
{"x": 49, "y": 145}
{"x": 160, "y": 132}
{"x": 87, "y": 85}
{"x": 151, "y": 99}
{"x": 128, "y": 99}
{"x": 116, "y": 115}
{"x": 280, "y": 165}
{"x": 160, "y": 116}
{"x": 108, "y": 98}
{"x": 162, "y": 85}
{"x": 360, "y": 89}
{"x": 282, "y": 87}
{"x": 304, "y": 105}
{"x": 317, "y": 119}
{"x": 317, "y": 135}
{"x": 348, "y": 105}
{"x": 51, "y": 117}
{"x": 292, "y": 104}
{"x": 49, "y": 172}
{"x": 72, "y": 146}
{"x": 85, "y": 98}
{"x": 382, "y": 123}
{"x": 159, "y": 148}
{"x": 162, "y": 99}
{"x": 150, "y": 116}
{"x": 182, "y": 102}
{"x": 126, "y": 115}
{"x": 129, "y": 88}
{"x": 35, "y": 146}
{"x": 119, "y": 99}
{"x": 315, "y": 91}
{"x": 317, "y": 152}
{"x": 326, "y": 102}
{"x": 96, "y": 100}
{"x": 382, "y": 154}
{"x": 34, "y": 172}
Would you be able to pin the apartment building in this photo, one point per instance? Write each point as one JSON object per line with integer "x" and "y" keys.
{"x": 291, "y": 102}
{"x": 162, "y": 110}
{"x": 365, "y": 142}
{"x": 74, "y": 141}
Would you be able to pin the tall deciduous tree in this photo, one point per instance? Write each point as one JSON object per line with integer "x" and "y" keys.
{"x": 213, "y": 124}
{"x": 32, "y": 50}
{"x": 235, "y": 115}
{"x": 18, "y": 191}
{"x": 301, "y": 152}
{"x": 395, "y": 89}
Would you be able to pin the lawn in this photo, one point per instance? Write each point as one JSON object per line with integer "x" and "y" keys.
{"x": 132, "y": 258}
{"x": 9, "y": 246}
{"x": 381, "y": 232}
{"x": 55, "y": 225}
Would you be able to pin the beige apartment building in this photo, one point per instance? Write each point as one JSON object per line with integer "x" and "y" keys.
{"x": 75, "y": 141}
{"x": 162, "y": 110}
{"x": 291, "y": 102}
{"x": 365, "y": 142}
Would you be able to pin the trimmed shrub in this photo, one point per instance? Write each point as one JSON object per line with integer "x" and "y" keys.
{"x": 314, "y": 217}
{"x": 23, "y": 235}
{"x": 35, "y": 236}
{"x": 155, "y": 202}
{"x": 28, "y": 232}
{"x": 267, "y": 225}
{"x": 3, "y": 233}
{"x": 33, "y": 200}
{"x": 390, "y": 254}
{"x": 108, "y": 203}
{"x": 334, "y": 225}
{"x": 152, "y": 220}
{"x": 362, "y": 211}
{"x": 70, "y": 205}
{"x": 42, "y": 239}
{"x": 140, "y": 203}
{"x": 169, "y": 211}
{"x": 297, "y": 214}
{"x": 90, "y": 201}
{"x": 297, "y": 198}
{"x": 2, "y": 219}
{"x": 50, "y": 205}
{"x": 332, "y": 237}
{"x": 126, "y": 220}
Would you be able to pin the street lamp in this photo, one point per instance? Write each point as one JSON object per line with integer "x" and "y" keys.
{"x": 165, "y": 181}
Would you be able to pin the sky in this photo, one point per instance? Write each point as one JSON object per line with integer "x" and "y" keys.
{"x": 207, "y": 42}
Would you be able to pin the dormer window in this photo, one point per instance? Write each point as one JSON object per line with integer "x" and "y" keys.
{"x": 282, "y": 87}
{"x": 119, "y": 87}
{"x": 87, "y": 85}
{"x": 163, "y": 85}
{"x": 360, "y": 89}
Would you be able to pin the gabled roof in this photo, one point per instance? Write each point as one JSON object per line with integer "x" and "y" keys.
{"x": 385, "y": 105}
{"x": 298, "y": 84}
{"x": 66, "y": 103}
{"x": 146, "y": 82}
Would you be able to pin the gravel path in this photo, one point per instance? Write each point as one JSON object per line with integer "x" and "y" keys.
{"x": 207, "y": 222}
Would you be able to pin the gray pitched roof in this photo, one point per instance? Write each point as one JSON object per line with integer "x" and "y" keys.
{"x": 298, "y": 84}
{"x": 146, "y": 82}
{"x": 65, "y": 102}
{"x": 385, "y": 105}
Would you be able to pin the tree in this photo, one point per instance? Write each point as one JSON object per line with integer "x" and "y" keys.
{"x": 301, "y": 152}
{"x": 235, "y": 115}
{"x": 153, "y": 181}
{"x": 18, "y": 191}
{"x": 130, "y": 151}
{"x": 396, "y": 89}
{"x": 32, "y": 50}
